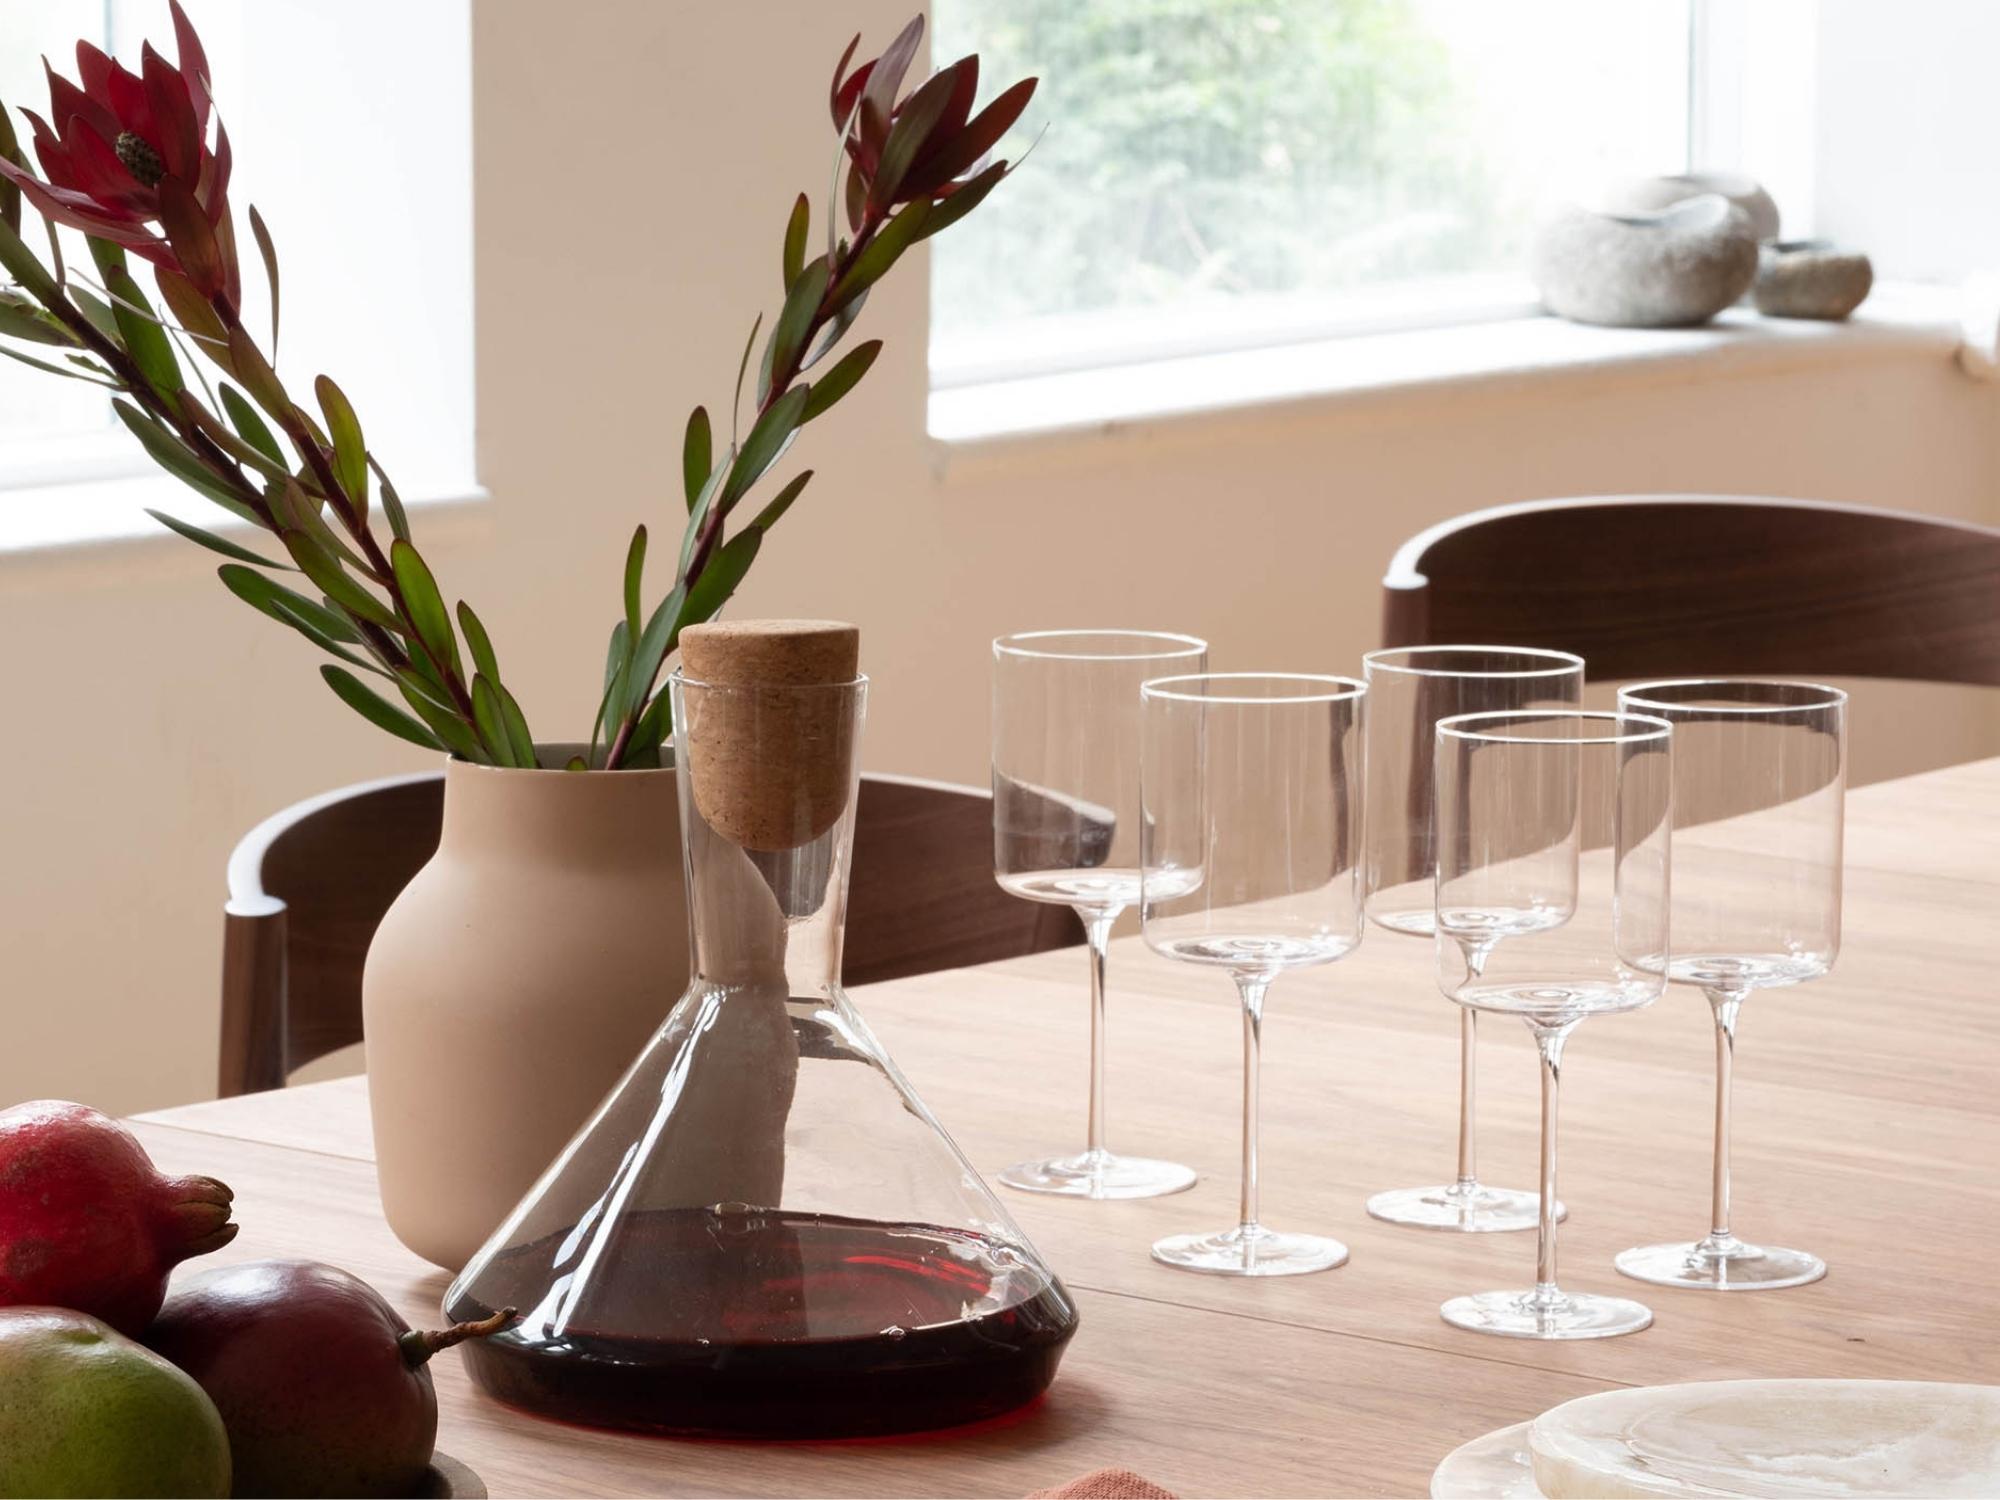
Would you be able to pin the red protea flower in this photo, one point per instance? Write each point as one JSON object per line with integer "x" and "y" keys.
{"x": 130, "y": 151}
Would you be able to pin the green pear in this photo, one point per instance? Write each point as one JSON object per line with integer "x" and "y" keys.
{"x": 86, "y": 1411}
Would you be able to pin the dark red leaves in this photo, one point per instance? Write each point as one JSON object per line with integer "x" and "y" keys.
{"x": 965, "y": 87}
{"x": 840, "y": 98}
{"x": 878, "y": 99}
{"x": 916, "y": 123}
{"x": 192, "y": 237}
{"x": 962, "y": 151}
{"x": 964, "y": 197}
{"x": 918, "y": 148}
{"x": 213, "y": 188}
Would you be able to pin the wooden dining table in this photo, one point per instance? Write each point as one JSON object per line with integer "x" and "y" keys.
{"x": 1867, "y": 1130}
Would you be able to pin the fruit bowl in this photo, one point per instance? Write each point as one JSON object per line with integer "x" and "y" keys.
{"x": 448, "y": 1479}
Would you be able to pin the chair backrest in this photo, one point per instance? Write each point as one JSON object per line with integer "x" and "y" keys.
{"x": 1679, "y": 585}
{"x": 308, "y": 886}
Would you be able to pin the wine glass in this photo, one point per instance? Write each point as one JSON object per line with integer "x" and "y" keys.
{"x": 1251, "y": 800}
{"x": 1760, "y": 775}
{"x": 1066, "y": 831}
{"x": 1410, "y": 688}
{"x": 1529, "y": 924}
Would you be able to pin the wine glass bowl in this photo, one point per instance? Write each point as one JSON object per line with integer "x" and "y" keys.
{"x": 1553, "y": 835}
{"x": 1250, "y": 794}
{"x": 1759, "y": 790}
{"x": 1066, "y": 832}
{"x": 1410, "y": 689}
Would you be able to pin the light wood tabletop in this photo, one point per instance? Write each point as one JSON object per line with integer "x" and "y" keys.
{"x": 1867, "y": 1131}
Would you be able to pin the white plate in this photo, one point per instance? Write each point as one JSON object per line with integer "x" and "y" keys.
{"x": 1494, "y": 1467}
{"x": 1772, "y": 1439}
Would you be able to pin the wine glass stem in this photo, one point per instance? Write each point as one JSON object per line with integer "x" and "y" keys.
{"x": 1468, "y": 1096}
{"x": 1468, "y": 1074}
{"x": 1550, "y": 1040}
{"x": 1097, "y": 930}
{"x": 1252, "y": 988}
{"x": 1726, "y": 1006}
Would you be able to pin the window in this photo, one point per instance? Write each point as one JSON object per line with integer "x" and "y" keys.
{"x": 368, "y": 299}
{"x": 45, "y": 423}
{"x": 1222, "y": 173}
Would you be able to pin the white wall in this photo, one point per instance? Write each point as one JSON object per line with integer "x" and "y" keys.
{"x": 1905, "y": 149}
{"x": 634, "y": 166}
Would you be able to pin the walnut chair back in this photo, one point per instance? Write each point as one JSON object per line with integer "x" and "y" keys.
{"x": 1686, "y": 585}
{"x": 308, "y": 886}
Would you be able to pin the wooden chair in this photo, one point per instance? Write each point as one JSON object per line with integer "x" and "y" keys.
{"x": 308, "y": 885}
{"x": 1680, "y": 585}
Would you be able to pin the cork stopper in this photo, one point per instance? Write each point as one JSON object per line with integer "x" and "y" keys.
{"x": 770, "y": 760}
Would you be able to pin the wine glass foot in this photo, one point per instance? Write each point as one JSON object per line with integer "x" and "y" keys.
{"x": 1721, "y": 1265}
{"x": 1546, "y": 1314}
{"x": 1465, "y": 1208}
{"x": 1099, "y": 1174}
{"x": 1250, "y": 1250}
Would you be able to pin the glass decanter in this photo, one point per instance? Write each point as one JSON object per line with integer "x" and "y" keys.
{"x": 763, "y": 1232}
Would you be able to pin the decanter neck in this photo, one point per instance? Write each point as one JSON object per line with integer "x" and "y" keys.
{"x": 765, "y": 919}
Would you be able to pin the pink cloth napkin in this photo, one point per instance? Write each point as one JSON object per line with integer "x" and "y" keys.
{"x": 1106, "y": 1484}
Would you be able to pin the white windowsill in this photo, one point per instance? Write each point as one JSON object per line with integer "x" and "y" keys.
{"x": 1907, "y": 320}
{"x": 37, "y": 520}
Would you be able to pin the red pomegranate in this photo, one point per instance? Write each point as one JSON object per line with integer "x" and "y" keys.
{"x": 87, "y": 1223}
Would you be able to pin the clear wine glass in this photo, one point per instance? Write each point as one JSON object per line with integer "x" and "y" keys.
{"x": 1410, "y": 688}
{"x": 1530, "y": 924}
{"x": 1066, "y": 831}
{"x": 1251, "y": 794}
{"x": 1760, "y": 777}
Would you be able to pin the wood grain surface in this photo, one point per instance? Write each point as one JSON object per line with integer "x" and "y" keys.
{"x": 1867, "y": 1130}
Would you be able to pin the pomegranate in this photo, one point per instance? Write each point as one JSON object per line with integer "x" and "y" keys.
{"x": 87, "y": 1223}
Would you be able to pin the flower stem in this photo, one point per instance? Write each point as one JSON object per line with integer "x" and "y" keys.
{"x": 709, "y": 537}
{"x": 141, "y": 390}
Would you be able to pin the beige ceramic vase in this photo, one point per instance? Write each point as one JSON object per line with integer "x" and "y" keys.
{"x": 511, "y": 984}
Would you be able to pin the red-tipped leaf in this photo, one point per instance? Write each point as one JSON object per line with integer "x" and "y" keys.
{"x": 965, "y": 149}
{"x": 192, "y": 237}
{"x": 965, "y": 197}
{"x": 965, "y": 80}
{"x": 840, "y": 84}
{"x": 915, "y": 126}
{"x": 878, "y": 99}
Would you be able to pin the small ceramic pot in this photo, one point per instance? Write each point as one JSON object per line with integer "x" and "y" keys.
{"x": 512, "y": 982}
{"x": 1811, "y": 279}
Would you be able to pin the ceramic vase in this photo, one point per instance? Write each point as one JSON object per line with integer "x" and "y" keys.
{"x": 511, "y": 984}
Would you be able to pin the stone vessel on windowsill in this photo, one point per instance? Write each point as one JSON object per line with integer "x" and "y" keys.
{"x": 1666, "y": 268}
{"x": 1811, "y": 279}
{"x": 1647, "y": 194}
